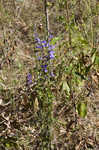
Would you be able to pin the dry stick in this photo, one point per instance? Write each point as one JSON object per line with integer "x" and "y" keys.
{"x": 46, "y": 17}
{"x": 92, "y": 28}
{"x": 68, "y": 21}
{"x": 88, "y": 5}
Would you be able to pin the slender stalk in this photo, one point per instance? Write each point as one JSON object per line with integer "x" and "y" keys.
{"x": 68, "y": 21}
{"x": 46, "y": 17}
{"x": 88, "y": 4}
{"x": 92, "y": 29}
{"x": 46, "y": 100}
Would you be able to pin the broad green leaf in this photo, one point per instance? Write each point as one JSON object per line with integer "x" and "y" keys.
{"x": 65, "y": 86}
{"x": 82, "y": 109}
{"x": 93, "y": 57}
{"x": 97, "y": 60}
{"x": 49, "y": 4}
{"x": 8, "y": 145}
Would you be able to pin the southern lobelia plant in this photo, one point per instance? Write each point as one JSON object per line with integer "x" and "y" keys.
{"x": 45, "y": 54}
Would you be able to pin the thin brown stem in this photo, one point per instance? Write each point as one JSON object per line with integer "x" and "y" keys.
{"x": 68, "y": 21}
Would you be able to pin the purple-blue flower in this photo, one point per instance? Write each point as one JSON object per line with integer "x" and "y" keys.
{"x": 51, "y": 54}
{"x": 52, "y": 74}
{"x": 50, "y": 36}
{"x": 39, "y": 46}
{"x": 38, "y": 40}
{"x": 39, "y": 58}
{"x": 44, "y": 67}
{"x": 29, "y": 79}
{"x": 44, "y": 42}
{"x": 51, "y": 47}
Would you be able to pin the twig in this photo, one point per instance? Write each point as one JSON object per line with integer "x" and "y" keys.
{"x": 46, "y": 17}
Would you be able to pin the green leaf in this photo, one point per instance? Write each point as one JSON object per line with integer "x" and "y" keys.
{"x": 8, "y": 145}
{"x": 65, "y": 86}
{"x": 82, "y": 109}
{"x": 97, "y": 60}
{"x": 54, "y": 40}
{"x": 93, "y": 57}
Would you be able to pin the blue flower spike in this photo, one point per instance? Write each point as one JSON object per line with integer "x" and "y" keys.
{"x": 46, "y": 53}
